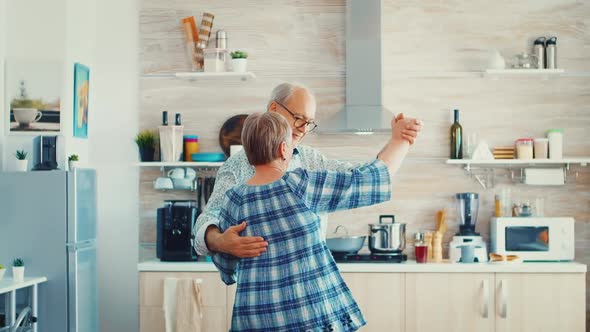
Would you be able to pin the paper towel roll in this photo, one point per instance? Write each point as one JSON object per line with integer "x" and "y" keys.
{"x": 544, "y": 176}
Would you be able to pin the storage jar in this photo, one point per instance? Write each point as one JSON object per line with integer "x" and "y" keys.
{"x": 524, "y": 148}
{"x": 541, "y": 146}
{"x": 555, "y": 137}
{"x": 214, "y": 60}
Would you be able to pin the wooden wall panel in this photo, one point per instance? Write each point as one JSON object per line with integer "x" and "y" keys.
{"x": 303, "y": 41}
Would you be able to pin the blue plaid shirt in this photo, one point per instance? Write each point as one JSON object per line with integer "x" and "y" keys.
{"x": 295, "y": 285}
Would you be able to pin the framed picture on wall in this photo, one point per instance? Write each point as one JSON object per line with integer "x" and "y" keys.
{"x": 33, "y": 91}
{"x": 81, "y": 92}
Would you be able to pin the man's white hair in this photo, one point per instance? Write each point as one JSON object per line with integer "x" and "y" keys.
{"x": 282, "y": 92}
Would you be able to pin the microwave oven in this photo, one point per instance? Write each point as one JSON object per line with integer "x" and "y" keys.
{"x": 533, "y": 238}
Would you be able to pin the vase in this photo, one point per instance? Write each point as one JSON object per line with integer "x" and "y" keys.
{"x": 146, "y": 153}
{"x": 22, "y": 165}
{"x": 72, "y": 164}
{"x": 18, "y": 273}
{"x": 239, "y": 65}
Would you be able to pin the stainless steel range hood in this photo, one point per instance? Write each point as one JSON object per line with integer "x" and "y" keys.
{"x": 364, "y": 112}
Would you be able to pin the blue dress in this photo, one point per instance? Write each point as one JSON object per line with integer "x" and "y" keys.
{"x": 295, "y": 285}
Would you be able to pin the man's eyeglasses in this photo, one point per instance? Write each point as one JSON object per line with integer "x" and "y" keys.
{"x": 300, "y": 121}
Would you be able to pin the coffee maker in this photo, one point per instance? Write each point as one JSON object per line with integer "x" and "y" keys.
{"x": 44, "y": 153}
{"x": 175, "y": 224}
{"x": 467, "y": 208}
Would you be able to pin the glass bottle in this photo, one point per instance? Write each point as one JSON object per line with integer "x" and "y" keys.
{"x": 165, "y": 118}
{"x": 456, "y": 138}
{"x": 421, "y": 248}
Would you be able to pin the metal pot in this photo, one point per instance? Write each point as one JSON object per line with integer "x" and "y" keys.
{"x": 345, "y": 244}
{"x": 387, "y": 237}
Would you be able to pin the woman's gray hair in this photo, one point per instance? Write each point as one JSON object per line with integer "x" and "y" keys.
{"x": 262, "y": 136}
{"x": 282, "y": 92}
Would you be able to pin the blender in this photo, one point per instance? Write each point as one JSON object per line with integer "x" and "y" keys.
{"x": 467, "y": 208}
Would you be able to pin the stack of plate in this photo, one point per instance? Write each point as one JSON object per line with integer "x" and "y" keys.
{"x": 504, "y": 152}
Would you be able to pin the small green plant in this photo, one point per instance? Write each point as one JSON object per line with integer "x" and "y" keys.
{"x": 20, "y": 155}
{"x": 73, "y": 157}
{"x": 17, "y": 262}
{"x": 146, "y": 139}
{"x": 239, "y": 55}
{"x": 1, "y": 266}
{"x": 27, "y": 103}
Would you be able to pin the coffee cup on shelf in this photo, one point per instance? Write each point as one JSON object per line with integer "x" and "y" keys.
{"x": 163, "y": 183}
{"x": 190, "y": 174}
{"x": 176, "y": 173}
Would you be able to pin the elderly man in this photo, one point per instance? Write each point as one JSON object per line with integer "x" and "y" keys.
{"x": 297, "y": 104}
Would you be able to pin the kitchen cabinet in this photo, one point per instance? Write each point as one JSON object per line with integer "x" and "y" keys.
{"x": 151, "y": 298}
{"x": 416, "y": 301}
{"x": 451, "y": 302}
{"x": 381, "y": 297}
{"x": 540, "y": 302}
{"x": 501, "y": 302}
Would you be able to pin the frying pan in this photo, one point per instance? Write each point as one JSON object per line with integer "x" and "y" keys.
{"x": 231, "y": 132}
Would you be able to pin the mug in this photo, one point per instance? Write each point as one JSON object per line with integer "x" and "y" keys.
{"x": 468, "y": 253}
{"x": 26, "y": 116}
{"x": 163, "y": 183}
{"x": 176, "y": 173}
{"x": 190, "y": 174}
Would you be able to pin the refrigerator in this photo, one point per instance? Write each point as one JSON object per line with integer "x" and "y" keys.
{"x": 48, "y": 218}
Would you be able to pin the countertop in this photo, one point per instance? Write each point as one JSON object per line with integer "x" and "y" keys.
{"x": 406, "y": 267}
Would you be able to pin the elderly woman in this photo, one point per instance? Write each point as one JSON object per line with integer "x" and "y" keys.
{"x": 295, "y": 285}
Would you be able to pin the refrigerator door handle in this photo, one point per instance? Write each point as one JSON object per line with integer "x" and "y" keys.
{"x": 80, "y": 245}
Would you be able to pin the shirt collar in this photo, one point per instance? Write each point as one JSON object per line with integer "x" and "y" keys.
{"x": 295, "y": 151}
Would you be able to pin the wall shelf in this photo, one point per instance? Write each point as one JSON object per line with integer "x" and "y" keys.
{"x": 483, "y": 170}
{"x": 491, "y": 73}
{"x": 197, "y": 76}
{"x": 542, "y": 73}
{"x": 179, "y": 164}
{"x": 519, "y": 163}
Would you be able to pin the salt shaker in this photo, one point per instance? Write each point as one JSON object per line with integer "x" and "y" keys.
{"x": 551, "y": 52}
{"x": 539, "y": 52}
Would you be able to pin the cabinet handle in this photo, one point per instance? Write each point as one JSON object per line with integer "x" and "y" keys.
{"x": 503, "y": 299}
{"x": 486, "y": 298}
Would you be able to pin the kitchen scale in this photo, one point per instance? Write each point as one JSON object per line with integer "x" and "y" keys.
{"x": 370, "y": 258}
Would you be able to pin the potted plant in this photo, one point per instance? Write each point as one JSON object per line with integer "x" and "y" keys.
{"x": 146, "y": 142}
{"x": 18, "y": 269}
{"x": 2, "y": 271}
{"x": 239, "y": 61}
{"x": 22, "y": 163}
{"x": 72, "y": 162}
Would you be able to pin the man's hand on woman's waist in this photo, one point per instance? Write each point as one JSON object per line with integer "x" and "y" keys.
{"x": 230, "y": 241}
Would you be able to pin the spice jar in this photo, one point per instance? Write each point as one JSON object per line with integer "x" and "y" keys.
{"x": 191, "y": 146}
{"x": 524, "y": 148}
{"x": 421, "y": 248}
{"x": 541, "y": 146}
{"x": 498, "y": 206}
{"x": 555, "y": 137}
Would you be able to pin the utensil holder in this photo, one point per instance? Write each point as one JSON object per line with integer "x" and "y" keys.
{"x": 171, "y": 144}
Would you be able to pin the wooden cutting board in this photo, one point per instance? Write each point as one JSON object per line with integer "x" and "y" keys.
{"x": 231, "y": 132}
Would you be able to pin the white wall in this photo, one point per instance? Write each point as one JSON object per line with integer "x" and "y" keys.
{"x": 103, "y": 35}
{"x": 29, "y": 34}
{"x": 112, "y": 150}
